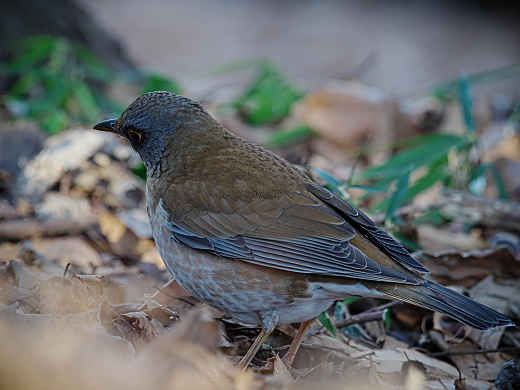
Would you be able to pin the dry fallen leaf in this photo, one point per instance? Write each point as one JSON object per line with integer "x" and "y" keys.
{"x": 477, "y": 366}
{"x": 61, "y": 295}
{"x": 346, "y": 114}
{"x": 181, "y": 356}
{"x": 281, "y": 372}
{"x": 467, "y": 268}
{"x": 433, "y": 239}
{"x": 500, "y": 142}
{"x": 502, "y": 295}
{"x": 123, "y": 241}
{"x": 473, "y": 384}
{"x": 9, "y": 251}
{"x": 156, "y": 339}
{"x": 67, "y": 250}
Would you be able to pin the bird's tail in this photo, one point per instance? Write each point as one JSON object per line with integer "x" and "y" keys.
{"x": 435, "y": 297}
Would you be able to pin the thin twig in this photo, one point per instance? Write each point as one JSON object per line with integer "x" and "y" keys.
{"x": 386, "y": 305}
{"x": 374, "y": 314}
{"x": 363, "y": 317}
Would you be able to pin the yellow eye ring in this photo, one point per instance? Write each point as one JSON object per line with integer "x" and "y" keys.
{"x": 135, "y": 136}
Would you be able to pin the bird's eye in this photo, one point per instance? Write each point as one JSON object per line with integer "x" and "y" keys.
{"x": 135, "y": 137}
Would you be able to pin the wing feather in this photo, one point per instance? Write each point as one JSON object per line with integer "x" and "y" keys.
{"x": 309, "y": 255}
{"x": 307, "y": 231}
{"x": 368, "y": 229}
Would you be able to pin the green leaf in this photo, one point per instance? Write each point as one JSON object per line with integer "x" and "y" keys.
{"x": 284, "y": 137}
{"x": 86, "y": 102}
{"x": 431, "y": 217}
{"x": 55, "y": 122}
{"x": 327, "y": 323}
{"x": 157, "y": 82}
{"x": 58, "y": 56}
{"x": 32, "y": 51}
{"x": 386, "y": 319}
{"x": 24, "y": 84}
{"x": 372, "y": 189}
{"x": 268, "y": 98}
{"x": 55, "y": 92}
{"x": 140, "y": 171}
{"x": 54, "y": 82}
{"x": 487, "y": 76}
{"x": 398, "y": 196}
{"x": 437, "y": 171}
{"x": 40, "y": 108}
{"x": 431, "y": 148}
{"x": 466, "y": 104}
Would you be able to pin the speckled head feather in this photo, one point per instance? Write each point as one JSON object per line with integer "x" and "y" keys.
{"x": 153, "y": 118}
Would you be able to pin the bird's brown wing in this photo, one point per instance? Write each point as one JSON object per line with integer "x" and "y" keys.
{"x": 295, "y": 231}
{"x": 365, "y": 226}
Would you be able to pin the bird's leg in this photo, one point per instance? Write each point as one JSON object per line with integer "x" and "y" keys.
{"x": 264, "y": 334}
{"x": 288, "y": 359}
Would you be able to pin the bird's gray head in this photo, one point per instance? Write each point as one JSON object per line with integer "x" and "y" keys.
{"x": 152, "y": 119}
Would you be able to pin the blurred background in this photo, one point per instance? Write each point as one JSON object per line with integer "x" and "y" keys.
{"x": 401, "y": 47}
{"x": 410, "y": 110}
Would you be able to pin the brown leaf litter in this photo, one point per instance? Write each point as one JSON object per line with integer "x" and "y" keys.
{"x": 83, "y": 302}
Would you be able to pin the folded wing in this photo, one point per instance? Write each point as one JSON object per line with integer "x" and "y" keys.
{"x": 297, "y": 232}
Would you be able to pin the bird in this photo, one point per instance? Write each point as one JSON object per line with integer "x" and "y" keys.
{"x": 249, "y": 233}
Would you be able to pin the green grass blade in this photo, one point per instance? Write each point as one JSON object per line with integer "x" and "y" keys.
{"x": 140, "y": 171}
{"x": 327, "y": 323}
{"x": 466, "y": 104}
{"x": 437, "y": 172}
{"x": 86, "y": 102}
{"x": 24, "y": 84}
{"x": 398, "y": 196}
{"x": 372, "y": 189}
{"x": 432, "y": 148}
{"x": 55, "y": 122}
{"x": 33, "y": 51}
{"x": 492, "y": 75}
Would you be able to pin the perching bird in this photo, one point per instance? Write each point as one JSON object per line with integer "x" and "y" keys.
{"x": 245, "y": 231}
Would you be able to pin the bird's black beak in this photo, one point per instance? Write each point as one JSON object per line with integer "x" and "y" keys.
{"x": 107, "y": 125}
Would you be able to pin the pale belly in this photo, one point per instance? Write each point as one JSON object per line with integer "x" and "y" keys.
{"x": 252, "y": 294}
